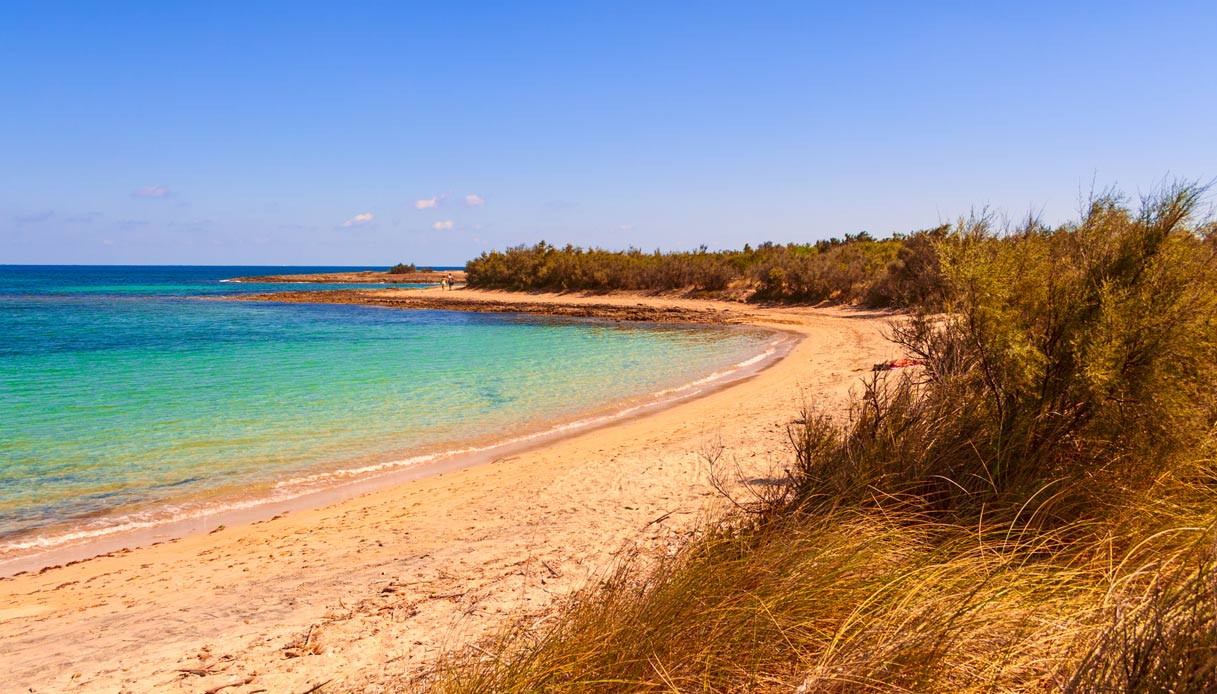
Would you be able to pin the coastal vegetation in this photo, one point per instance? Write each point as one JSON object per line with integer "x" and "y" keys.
{"x": 403, "y": 269}
{"x": 900, "y": 271}
{"x": 1032, "y": 508}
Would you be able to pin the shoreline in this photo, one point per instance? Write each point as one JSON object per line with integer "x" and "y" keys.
{"x": 368, "y": 591}
{"x": 423, "y": 276}
{"x": 645, "y": 308}
{"x": 67, "y": 545}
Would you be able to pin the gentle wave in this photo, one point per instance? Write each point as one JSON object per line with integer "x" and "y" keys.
{"x": 653, "y": 400}
{"x": 128, "y": 523}
{"x": 288, "y": 490}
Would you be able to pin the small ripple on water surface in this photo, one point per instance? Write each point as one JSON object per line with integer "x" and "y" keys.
{"x": 108, "y": 406}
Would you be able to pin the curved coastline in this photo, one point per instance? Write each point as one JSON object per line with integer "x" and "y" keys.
{"x": 383, "y": 582}
{"x": 77, "y": 542}
{"x": 638, "y": 308}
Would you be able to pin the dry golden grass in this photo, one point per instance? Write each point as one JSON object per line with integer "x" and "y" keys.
{"x": 1037, "y": 511}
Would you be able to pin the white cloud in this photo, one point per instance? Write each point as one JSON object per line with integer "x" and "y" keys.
{"x": 358, "y": 220}
{"x": 426, "y": 203}
{"x": 474, "y": 200}
{"x": 152, "y": 192}
{"x": 445, "y": 225}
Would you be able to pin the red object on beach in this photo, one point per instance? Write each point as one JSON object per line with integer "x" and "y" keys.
{"x": 896, "y": 364}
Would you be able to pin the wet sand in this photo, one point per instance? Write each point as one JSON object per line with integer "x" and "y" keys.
{"x": 366, "y": 592}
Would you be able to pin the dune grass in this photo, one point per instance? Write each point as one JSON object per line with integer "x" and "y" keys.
{"x": 1036, "y": 510}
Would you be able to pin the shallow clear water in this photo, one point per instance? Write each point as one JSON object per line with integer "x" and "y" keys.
{"x": 122, "y": 392}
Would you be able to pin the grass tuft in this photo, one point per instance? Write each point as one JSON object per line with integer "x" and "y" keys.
{"x": 1034, "y": 510}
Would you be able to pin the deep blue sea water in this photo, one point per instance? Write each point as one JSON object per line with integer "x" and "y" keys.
{"x": 128, "y": 395}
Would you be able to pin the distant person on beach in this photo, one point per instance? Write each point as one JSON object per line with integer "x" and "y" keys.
{"x": 443, "y": 283}
{"x": 450, "y": 280}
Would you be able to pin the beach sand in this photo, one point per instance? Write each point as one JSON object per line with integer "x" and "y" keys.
{"x": 367, "y": 592}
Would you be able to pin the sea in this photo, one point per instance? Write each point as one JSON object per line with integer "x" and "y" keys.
{"x": 138, "y": 396}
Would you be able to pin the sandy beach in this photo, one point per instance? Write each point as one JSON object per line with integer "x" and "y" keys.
{"x": 365, "y": 593}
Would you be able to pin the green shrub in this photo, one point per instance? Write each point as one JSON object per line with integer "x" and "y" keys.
{"x": 1081, "y": 359}
{"x": 830, "y": 271}
{"x": 546, "y": 268}
{"x": 914, "y": 278}
{"x": 1034, "y": 508}
{"x": 897, "y": 272}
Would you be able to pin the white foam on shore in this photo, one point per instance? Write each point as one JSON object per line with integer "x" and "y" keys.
{"x": 126, "y": 523}
{"x": 163, "y": 515}
{"x": 652, "y": 400}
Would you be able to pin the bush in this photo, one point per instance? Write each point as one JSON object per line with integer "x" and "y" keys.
{"x": 1081, "y": 358}
{"x": 896, "y": 272}
{"x": 914, "y": 278}
{"x": 546, "y": 268}
{"x": 1034, "y": 509}
{"x": 402, "y": 269}
{"x": 833, "y": 271}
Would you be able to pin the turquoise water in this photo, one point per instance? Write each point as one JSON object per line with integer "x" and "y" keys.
{"x": 124, "y": 397}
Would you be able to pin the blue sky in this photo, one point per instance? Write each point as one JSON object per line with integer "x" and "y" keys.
{"x": 301, "y": 133}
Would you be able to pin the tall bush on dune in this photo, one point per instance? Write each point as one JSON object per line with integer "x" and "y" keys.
{"x": 1096, "y": 341}
{"x": 1081, "y": 358}
{"x": 1033, "y": 509}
